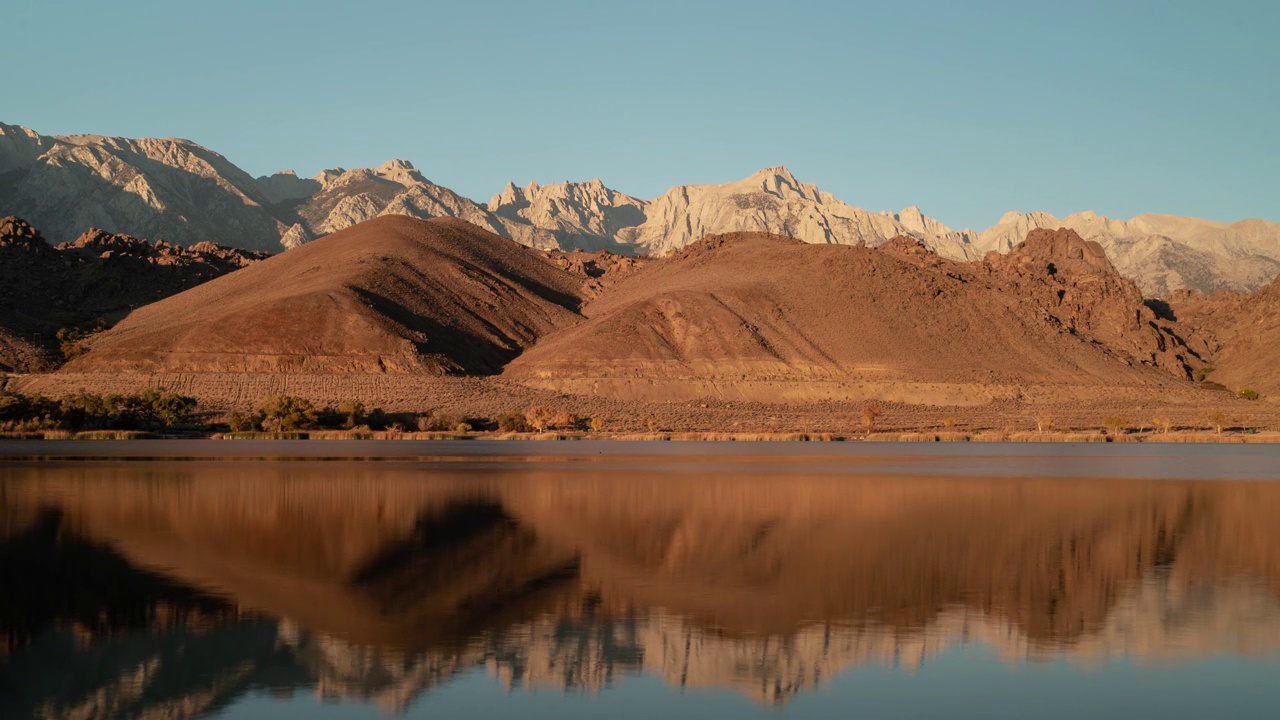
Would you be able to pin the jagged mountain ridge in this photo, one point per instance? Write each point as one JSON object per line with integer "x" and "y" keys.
{"x": 774, "y": 201}
{"x": 168, "y": 189}
{"x": 176, "y": 190}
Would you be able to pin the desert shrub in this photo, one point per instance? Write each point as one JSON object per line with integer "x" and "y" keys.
{"x": 73, "y": 341}
{"x": 92, "y": 411}
{"x": 286, "y": 412}
{"x": 353, "y": 411}
{"x": 1247, "y": 394}
{"x": 1115, "y": 424}
{"x": 1217, "y": 420}
{"x": 346, "y": 416}
{"x": 463, "y": 427}
{"x": 435, "y": 421}
{"x": 948, "y": 422}
{"x": 27, "y": 412}
{"x": 378, "y": 419}
{"x": 513, "y": 421}
{"x": 159, "y": 406}
{"x": 596, "y": 424}
{"x": 650, "y": 422}
{"x": 541, "y": 417}
{"x": 1201, "y": 373}
{"x": 871, "y": 411}
{"x": 149, "y": 409}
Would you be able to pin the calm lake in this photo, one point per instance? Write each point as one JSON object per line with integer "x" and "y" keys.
{"x": 309, "y": 579}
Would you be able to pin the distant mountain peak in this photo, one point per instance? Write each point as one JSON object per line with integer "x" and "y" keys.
{"x": 394, "y": 165}
{"x": 776, "y": 171}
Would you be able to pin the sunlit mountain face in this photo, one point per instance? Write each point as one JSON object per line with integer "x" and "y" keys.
{"x": 178, "y": 588}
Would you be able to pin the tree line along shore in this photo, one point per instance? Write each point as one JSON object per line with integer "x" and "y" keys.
{"x": 157, "y": 413}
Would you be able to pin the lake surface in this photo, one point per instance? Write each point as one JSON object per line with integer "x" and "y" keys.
{"x": 239, "y": 579}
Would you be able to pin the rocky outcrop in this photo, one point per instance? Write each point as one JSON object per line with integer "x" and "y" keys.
{"x": 99, "y": 276}
{"x": 18, "y": 234}
{"x": 1240, "y": 334}
{"x": 1163, "y": 253}
{"x": 1077, "y": 290}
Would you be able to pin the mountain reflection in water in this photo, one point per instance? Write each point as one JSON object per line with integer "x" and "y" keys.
{"x": 174, "y": 588}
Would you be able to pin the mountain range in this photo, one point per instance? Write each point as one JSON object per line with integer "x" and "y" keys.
{"x": 184, "y": 193}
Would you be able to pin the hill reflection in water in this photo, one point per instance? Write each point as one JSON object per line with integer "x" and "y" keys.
{"x": 173, "y": 588}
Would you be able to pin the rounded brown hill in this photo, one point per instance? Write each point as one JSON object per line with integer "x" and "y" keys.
{"x": 394, "y": 294}
{"x": 755, "y": 306}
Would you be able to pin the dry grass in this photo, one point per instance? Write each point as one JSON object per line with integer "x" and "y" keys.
{"x": 113, "y": 435}
{"x": 1043, "y": 437}
{"x": 1212, "y": 438}
{"x": 342, "y": 435}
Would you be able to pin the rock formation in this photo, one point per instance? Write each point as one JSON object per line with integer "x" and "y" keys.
{"x": 1239, "y": 334}
{"x": 1163, "y": 253}
{"x": 100, "y": 276}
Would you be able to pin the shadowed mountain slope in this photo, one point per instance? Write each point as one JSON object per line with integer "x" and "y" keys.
{"x": 1242, "y": 334}
{"x": 394, "y": 294}
{"x": 99, "y": 277}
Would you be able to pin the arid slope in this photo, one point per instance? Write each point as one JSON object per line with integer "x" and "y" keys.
{"x": 1242, "y": 332}
{"x": 394, "y": 294}
{"x": 751, "y": 306}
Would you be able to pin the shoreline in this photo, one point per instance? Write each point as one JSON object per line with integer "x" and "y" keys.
{"x": 1238, "y": 438}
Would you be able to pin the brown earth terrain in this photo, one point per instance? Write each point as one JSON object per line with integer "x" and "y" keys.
{"x": 984, "y": 408}
{"x": 742, "y": 333}
{"x": 734, "y": 310}
{"x": 100, "y": 276}
{"x": 392, "y": 295}
{"x": 1241, "y": 335}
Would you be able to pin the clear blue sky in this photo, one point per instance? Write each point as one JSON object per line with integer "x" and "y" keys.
{"x": 967, "y": 109}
